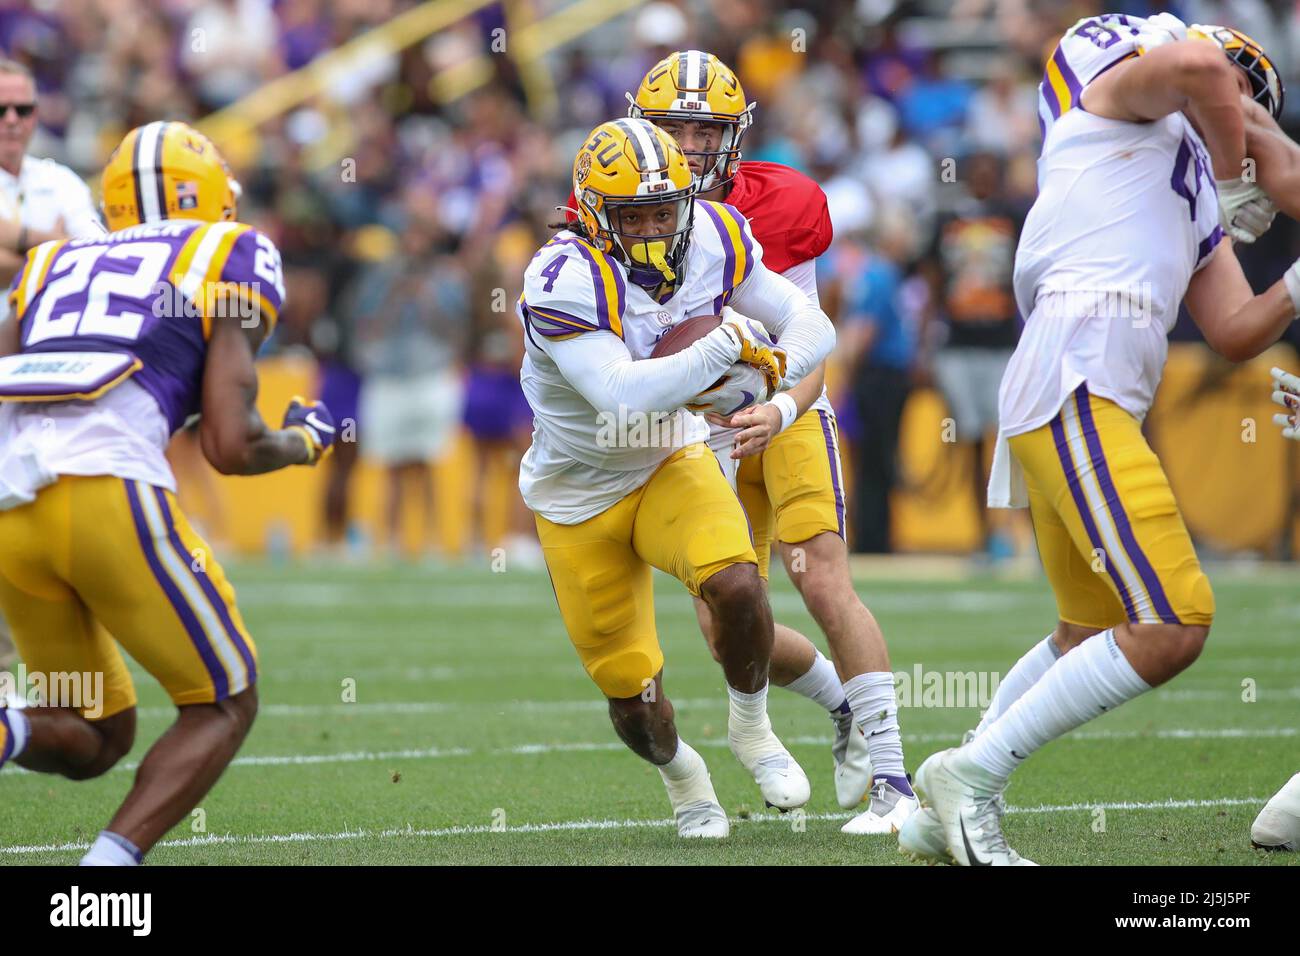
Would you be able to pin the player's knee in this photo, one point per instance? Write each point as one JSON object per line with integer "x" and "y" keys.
{"x": 1069, "y": 636}
{"x": 117, "y": 736}
{"x": 1179, "y": 645}
{"x": 734, "y": 591}
{"x": 240, "y": 711}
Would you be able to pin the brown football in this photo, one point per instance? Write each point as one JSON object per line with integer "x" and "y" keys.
{"x": 684, "y": 334}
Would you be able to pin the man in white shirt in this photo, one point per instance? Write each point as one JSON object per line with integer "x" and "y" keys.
{"x": 39, "y": 200}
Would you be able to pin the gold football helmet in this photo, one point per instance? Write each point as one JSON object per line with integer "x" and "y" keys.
{"x": 631, "y": 165}
{"x": 1249, "y": 57}
{"x": 167, "y": 171}
{"x": 694, "y": 85}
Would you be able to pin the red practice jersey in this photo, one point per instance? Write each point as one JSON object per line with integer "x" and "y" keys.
{"x": 786, "y": 210}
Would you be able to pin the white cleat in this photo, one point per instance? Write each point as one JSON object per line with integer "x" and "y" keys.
{"x": 1278, "y": 825}
{"x": 965, "y": 799}
{"x": 695, "y": 805}
{"x": 888, "y": 811}
{"x": 853, "y": 768}
{"x": 702, "y": 820}
{"x": 779, "y": 777}
{"x": 921, "y": 838}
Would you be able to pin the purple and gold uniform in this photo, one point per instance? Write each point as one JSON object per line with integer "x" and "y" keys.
{"x": 95, "y": 544}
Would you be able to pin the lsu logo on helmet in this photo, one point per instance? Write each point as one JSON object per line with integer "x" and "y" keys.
{"x": 1247, "y": 55}
{"x": 167, "y": 170}
{"x": 694, "y": 85}
{"x": 629, "y": 165}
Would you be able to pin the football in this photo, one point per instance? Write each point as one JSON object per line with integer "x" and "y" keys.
{"x": 740, "y": 387}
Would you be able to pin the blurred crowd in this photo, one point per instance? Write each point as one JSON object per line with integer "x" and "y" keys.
{"x": 408, "y": 191}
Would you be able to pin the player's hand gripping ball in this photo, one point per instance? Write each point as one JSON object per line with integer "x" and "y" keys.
{"x": 314, "y": 422}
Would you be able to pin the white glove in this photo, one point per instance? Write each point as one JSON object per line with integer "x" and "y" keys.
{"x": 1286, "y": 392}
{"x": 1161, "y": 29}
{"x": 1245, "y": 211}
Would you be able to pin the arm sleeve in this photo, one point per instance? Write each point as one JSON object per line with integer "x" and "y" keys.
{"x": 804, "y": 275}
{"x": 803, "y": 330}
{"x": 601, "y": 368}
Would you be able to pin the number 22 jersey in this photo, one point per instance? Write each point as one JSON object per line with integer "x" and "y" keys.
{"x": 1126, "y": 213}
{"x": 136, "y": 291}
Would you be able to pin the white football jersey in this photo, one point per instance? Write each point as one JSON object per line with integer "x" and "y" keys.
{"x": 1126, "y": 213}
{"x": 582, "y": 461}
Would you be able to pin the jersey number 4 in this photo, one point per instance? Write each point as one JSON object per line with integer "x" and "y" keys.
{"x": 77, "y": 279}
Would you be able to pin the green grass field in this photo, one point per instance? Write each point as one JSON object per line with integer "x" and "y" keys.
{"x": 475, "y": 736}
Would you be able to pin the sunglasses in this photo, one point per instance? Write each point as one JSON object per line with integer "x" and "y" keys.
{"x": 23, "y": 110}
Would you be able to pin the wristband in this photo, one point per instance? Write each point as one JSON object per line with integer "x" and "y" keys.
{"x": 1292, "y": 279}
{"x": 789, "y": 411}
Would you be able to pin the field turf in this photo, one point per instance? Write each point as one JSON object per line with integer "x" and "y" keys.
{"x": 475, "y": 737}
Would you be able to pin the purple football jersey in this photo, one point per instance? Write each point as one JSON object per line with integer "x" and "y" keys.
{"x": 140, "y": 291}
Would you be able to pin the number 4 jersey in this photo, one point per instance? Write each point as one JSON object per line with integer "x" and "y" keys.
{"x": 135, "y": 296}
{"x": 1126, "y": 213}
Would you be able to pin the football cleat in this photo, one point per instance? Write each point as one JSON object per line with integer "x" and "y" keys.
{"x": 781, "y": 780}
{"x": 921, "y": 838}
{"x": 888, "y": 811}
{"x": 853, "y": 769}
{"x": 704, "y": 820}
{"x": 1278, "y": 825}
{"x": 965, "y": 799}
{"x": 695, "y": 805}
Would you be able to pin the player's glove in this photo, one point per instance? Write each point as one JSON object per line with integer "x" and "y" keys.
{"x": 1286, "y": 392}
{"x": 1245, "y": 211}
{"x": 758, "y": 350}
{"x": 314, "y": 422}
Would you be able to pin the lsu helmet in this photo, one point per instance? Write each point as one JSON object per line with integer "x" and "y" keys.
{"x": 694, "y": 85}
{"x": 630, "y": 163}
{"x": 167, "y": 171}
{"x": 1249, "y": 57}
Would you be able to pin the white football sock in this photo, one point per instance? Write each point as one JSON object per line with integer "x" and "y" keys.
{"x": 685, "y": 762}
{"x": 1023, "y": 675}
{"x": 112, "y": 850}
{"x": 748, "y": 711}
{"x": 820, "y": 683}
{"x": 875, "y": 710}
{"x": 1093, "y": 678}
{"x": 19, "y": 730}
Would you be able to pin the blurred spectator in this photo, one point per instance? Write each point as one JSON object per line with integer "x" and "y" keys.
{"x": 969, "y": 268}
{"x": 879, "y": 349}
{"x": 411, "y": 324}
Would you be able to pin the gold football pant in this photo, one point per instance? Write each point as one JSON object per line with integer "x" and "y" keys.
{"x": 1109, "y": 532}
{"x": 685, "y": 521}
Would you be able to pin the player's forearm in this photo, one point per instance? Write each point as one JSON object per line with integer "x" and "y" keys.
{"x": 1214, "y": 102}
{"x": 1277, "y": 160}
{"x": 1253, "y": 327}
{"x": 601, "y": 369}
{"x": 808, "y": 390}
{"x": 258, "y": 451}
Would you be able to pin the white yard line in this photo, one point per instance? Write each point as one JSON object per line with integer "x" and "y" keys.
{"x": 585, "y": 746}
{"x": 577, "y": 825}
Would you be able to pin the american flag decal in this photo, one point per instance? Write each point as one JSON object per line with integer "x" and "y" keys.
{"x": 187, "y": 195}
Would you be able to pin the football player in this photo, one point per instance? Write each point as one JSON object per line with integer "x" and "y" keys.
{"x": 619, "y": 474}
{"x": 1141, "y": 119}
{"x": 784, "y": 454}
{"x": 113, "y": 343}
